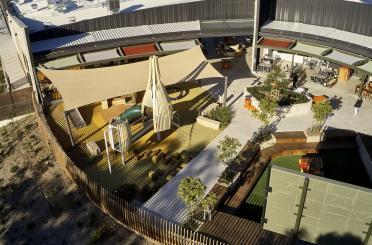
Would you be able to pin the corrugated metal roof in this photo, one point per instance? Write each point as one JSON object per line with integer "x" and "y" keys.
{"x": 361, "y": 40}
{"x": 112, "y": 34}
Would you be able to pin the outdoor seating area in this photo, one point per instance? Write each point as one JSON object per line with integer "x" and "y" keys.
{"x": 150, "y": 162}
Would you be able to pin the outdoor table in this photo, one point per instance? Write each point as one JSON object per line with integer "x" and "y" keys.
{"x": 265, "y": 67}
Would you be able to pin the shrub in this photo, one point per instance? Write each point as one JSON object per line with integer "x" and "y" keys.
{"x": 14, "y": 168}
{"x": 288, "y": 97}
{"x": 267, "y": 110}
{"x": 222, "y": 115}
{"x": 322, "y": 110}
{"x": 191, "y": 224}
{"x": 127, "y": 192}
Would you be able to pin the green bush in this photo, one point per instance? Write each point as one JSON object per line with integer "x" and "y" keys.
{"x": 191, "y": 224}
{"x": 289, "y": 97}
{"x": 222, "y": 115}
{"x": 14, "y": 168}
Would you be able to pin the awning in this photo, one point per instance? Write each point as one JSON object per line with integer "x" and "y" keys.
{"x": 139, "y": 49}
{"x": 366, "y": 67}
{"x": 310, "y": 49}
{"x": 179, "y": 45}
{"x": 62, "y": 62}
{"x": 101, "y": 55}
{"x": 82, "y": 87}
{"x": 344, "y": 58}
{"x": 276, "y": 43}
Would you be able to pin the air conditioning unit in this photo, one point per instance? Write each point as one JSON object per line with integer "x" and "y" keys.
{"x": 113, "y": 6}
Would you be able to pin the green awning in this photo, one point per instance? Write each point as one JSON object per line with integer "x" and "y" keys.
{"x": 366, "y": 67}
{"x": 62, "y": 62}
{"x": 310, "y": 49}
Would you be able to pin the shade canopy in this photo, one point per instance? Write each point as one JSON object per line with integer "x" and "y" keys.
{"x": 344, "y": 58}
{"x": 310, "y": 49}
{"x": 82, "y": 87}
{"x": 101, "y": 55}
{"x": 62, "y": 62}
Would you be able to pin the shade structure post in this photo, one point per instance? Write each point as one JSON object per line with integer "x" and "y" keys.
{"x": 69, "y": 129}
{"x": 225, "y": 92}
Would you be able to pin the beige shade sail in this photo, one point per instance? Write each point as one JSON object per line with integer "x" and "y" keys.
{"x": 82, "y": 87}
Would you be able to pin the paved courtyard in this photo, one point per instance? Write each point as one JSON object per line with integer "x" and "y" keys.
{"x": 205, "y": 165}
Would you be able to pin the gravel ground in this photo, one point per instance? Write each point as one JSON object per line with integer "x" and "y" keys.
{"x": 39, "y": 205}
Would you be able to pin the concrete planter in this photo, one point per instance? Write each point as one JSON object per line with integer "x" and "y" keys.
{"x": 292, "y": 110}
{"x": 232, "y": 183}
{"x": 314, "y": 138}
{"x": 209, "y": 123}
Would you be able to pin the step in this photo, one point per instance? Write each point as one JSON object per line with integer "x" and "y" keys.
{"x": 290, "y": 137}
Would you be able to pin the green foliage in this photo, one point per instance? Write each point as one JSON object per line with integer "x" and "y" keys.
{"x": 221, "y": 114}
{"x": 267, "y": 110}
{"x": 191, "y": 191}
{"x": 14, "y": 168}
{"x": 288, "y": 97}
{"x": 322, "y": 110}
{"x": 277, "y": 77}
{"x": 98, "y": 235}
{"x": 228, "y": 150}
{"x": 263, "y": 134}
{"x": 191, "y": 224}
{"x": 209, "y": 201}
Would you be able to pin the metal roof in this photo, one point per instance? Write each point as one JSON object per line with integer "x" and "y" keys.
{"x": 367, "y": 67}
{"x": 112, "y": 34}
{"x": 361, "y": 40}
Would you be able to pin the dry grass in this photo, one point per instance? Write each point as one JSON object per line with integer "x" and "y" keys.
{"x": 38, "y": 204}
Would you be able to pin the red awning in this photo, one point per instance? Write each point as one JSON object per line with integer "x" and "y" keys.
{"x": 140, "y": 49}
{"x": 276, "y": 43}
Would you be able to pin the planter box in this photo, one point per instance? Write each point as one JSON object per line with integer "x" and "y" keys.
{"x": 207, "y": 109}
{"x": 232, "y": 183}
{"x": 314, "y": 138}
{"x": 209, "y": 123}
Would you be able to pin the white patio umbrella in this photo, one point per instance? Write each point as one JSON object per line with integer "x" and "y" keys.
{"x": 156, "y": 97}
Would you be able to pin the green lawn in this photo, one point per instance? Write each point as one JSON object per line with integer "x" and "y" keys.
{"x": 257, "y": 196}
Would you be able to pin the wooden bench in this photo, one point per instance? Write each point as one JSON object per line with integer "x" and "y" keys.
{"x": 93, "y": 148}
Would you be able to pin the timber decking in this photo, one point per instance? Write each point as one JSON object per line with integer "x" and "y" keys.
{"x": 234, "y": 230}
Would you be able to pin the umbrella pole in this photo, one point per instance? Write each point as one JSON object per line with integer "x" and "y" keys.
{"x": 107, "y": 151}
{"x": 225, "y": 93}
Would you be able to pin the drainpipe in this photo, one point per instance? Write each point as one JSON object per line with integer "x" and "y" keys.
{"x": 255, "y": 34}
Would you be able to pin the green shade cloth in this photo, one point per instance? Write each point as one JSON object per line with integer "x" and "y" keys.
{"x": 309, "y": 49}
{"x": 62, "y": 62}
{"x": 366, "y": 67}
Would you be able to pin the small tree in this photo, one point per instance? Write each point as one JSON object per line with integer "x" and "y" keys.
{"x": 322, "y": 111}
{"x": 191, "y": 190}
{"x": 277, "y": 77}
{"x": 228, "y": 150}
{"x": 208, "y": 203}
{"x": 267, "y": 110}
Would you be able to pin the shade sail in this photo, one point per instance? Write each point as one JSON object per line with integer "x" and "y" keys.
{"x": 309, "y": 49}
{"x": 101, "y": 55}
{"x": 343, "y": 58}
{"x": 82, "y": 87}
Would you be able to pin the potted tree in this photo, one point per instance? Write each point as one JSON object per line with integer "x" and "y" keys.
{"x": 321, "y": 111}
{"x": 191, "y": 191}
{"x": 228, "y": 153}
{"x": 207, "y": 205}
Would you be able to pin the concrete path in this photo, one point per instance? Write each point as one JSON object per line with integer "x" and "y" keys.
{"x": 205, "y": 165}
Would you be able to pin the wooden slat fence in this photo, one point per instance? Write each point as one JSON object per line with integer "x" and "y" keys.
{"x": 134, "y": 218}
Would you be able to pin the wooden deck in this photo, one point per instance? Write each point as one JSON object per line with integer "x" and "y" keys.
{"x": 234, "y": 230}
